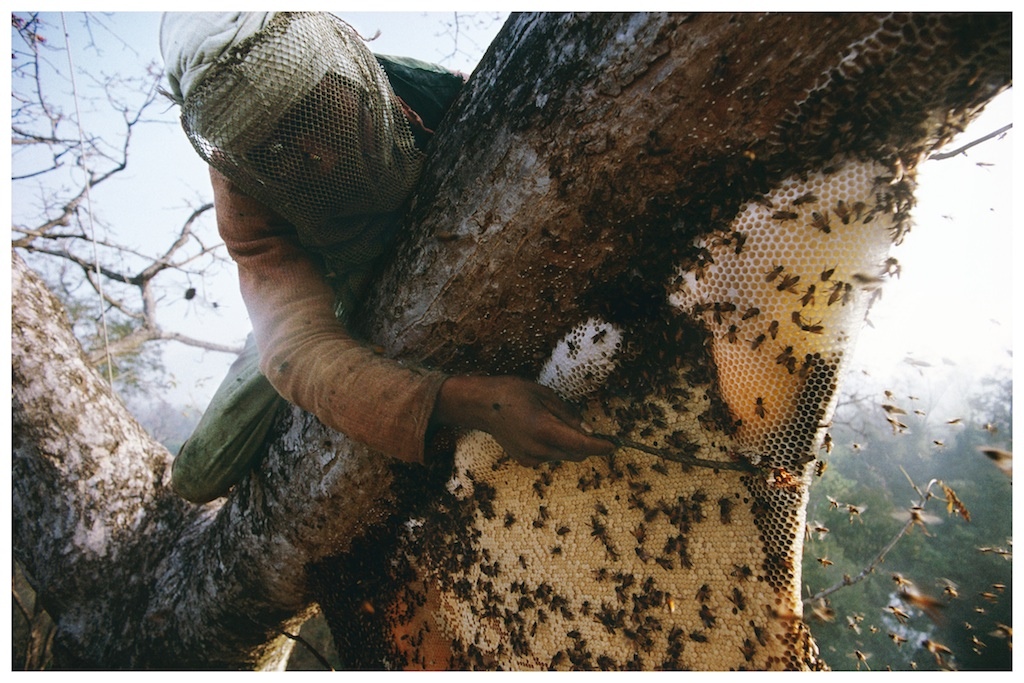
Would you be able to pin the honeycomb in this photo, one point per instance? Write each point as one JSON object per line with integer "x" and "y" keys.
{"x": 583, "y": 359}
{"x": 784, "y": 293}
{"x": 638, "y": 561}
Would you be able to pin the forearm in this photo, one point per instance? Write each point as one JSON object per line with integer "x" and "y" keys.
{"x": 308, "y": 356}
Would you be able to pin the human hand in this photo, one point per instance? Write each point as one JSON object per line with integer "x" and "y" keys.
{"x": 528, "y": 420}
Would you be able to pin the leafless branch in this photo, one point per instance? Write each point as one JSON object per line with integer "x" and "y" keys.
{"x": 939, "y": 156}
{"x": 924, "y": 497}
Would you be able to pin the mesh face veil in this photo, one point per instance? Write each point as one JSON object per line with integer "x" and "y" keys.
{"x": 301, "y": 117}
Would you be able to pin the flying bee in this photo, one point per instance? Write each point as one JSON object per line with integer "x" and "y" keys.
{"x": 825, "y": 562}
{"x": 808, "y": 298}
{"x": 771, "y": 275}
{"x": 820, "y": 467}
{"x": 788, "y": 283}
{"x": 759, "y": 407}
{"x": 784, "y": 215}
{"x": 805, "y": 199}
{"x": 827, "y": 443}
{"x": 821, "y": 221}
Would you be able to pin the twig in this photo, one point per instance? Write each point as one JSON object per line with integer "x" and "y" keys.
{"x": 312, "y": 650}
{"x": 960, "y": 150}
{"x": 676, "y": 456}
{"x": 880, "y": 557}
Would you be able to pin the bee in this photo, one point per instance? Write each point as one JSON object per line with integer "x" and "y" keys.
{"x": 843, "y": 212}
{"x": 556, "y": 550}
{"x": 808, "y": 298}
{"x": 740, "y": 239}
{"x": 698, "y": 637}
{"x": 644, "y": 556}
{"x": 813, "y": 328}
{"x": 867, "y": 281}
{"x": 900, "y": 615}
{"x": 510, "y": 519}
{"x": 738, "y": 600}
{"x": 756, "y": 342}
{"x": 742, "y": 572}
{"x": 723, "y": 307}
{"x": 827, "y": 443}
{"x": 773, "y": 328}
{"x": 820, "y": 467}
{"x": 640, "y": 533}
{"x": 763, "y": 201}
{"x": 771, "y": 275}
{"x": 840, "y": 290}
{"x": 785, "y": 215}
{"x": 750, "y": 313}
{"x": 731, "y": 334}
{"x": 747, "y": 649}
{"x": 784, "y": 357}
{"x": 665, "y": 564}
{"x": 827, "y": 273}
{"x": 897, "y": 638}
{"x": 938, "y": 649}
{"x": 821, "y": 221}
{"x": 788, "y": 283}
{"x": 562, "y": 530}
{"x": 759, "y": 407}
{"x": 805, "y": 199}
{"x": 599, "y": 335}
{"x": 725, "y": 510}
{"x": 706, "y": 617}
{"x": 1003, "y": 459}
{"x": 703, "y": 593}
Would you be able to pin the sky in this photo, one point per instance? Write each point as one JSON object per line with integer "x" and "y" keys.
{"x": 950, "y": 308}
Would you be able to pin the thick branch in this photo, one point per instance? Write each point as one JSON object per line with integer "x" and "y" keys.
{"x": 133, "y": 575}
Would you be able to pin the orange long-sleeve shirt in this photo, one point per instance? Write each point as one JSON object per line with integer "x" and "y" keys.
{"x": 305, "y": 352}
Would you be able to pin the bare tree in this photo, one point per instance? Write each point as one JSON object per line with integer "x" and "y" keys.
{"x": 63, "y": 164}
{"x": 573, "y": 177}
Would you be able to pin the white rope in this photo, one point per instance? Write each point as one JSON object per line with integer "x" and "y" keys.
{"x": 88, "y": 205}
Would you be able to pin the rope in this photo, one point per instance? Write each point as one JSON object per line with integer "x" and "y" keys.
{"x": 88, "y": 204}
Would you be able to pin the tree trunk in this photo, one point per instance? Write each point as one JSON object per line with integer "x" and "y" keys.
{"x": 592, "y": 168}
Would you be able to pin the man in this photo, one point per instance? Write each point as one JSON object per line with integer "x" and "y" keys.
{"x": 314, "y": 145}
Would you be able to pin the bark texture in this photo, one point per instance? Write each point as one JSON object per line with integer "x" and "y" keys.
{"x": 586, "y": 154}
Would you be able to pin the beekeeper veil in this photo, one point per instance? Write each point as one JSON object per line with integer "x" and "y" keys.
{"x": 295, "y": 110}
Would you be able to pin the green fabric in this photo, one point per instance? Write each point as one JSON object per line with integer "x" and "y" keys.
{"x": 230, "y": 437}
{"x": 428, "y": 89}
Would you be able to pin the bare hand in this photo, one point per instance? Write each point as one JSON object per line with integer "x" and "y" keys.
{"x": 528, "y": 420}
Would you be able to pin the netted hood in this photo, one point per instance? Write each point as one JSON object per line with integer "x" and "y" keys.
{"x": 301, "y": 116}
